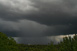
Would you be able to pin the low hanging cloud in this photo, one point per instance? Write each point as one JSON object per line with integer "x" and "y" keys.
{"x": 23, "y": 28}
{"x": 41, "y": 40}
{"x": 38, "y": 40}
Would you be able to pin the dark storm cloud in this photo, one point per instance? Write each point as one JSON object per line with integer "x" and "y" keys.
{"x": 51, "y": 12}
{"x": 23, "y": 28}
{"x": 42, "y": 17}
{"x": 60, "y": 16}
{"x": 14, "y": 10}
{"x": 37, "y": 19}
{"x": 61, "y": 30}
{"x": 56, "y": 12}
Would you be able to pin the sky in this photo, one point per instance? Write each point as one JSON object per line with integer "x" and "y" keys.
{"x": 30, "y": 21}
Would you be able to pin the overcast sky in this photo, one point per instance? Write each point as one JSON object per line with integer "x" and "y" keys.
{"x": 33, "y": 19}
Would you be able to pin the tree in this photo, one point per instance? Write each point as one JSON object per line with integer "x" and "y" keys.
{"x": 7, "y": 43}
{"x": 68, "y": 44}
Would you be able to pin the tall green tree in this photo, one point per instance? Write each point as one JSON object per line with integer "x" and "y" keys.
{"x": 7, "y": 43}
{"x": 68, "y": 44}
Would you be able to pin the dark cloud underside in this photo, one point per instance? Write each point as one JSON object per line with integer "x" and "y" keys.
{"x": 38, "y": 18}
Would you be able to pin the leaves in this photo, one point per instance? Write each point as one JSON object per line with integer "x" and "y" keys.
{"x": 9, "y": 44}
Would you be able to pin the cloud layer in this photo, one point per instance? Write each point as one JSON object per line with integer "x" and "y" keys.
{"x": 38, "y": 18}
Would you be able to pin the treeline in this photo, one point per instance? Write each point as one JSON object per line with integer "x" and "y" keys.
{"x": 9, "y": 44}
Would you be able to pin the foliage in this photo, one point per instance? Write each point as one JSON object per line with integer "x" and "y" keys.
{"x": 69, "y": 44}
{"x": 9, "y": 44}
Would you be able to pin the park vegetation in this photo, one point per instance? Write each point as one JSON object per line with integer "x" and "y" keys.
{"x": 9, "y": 44}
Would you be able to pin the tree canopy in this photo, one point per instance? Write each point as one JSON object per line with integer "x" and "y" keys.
{"x": 7, "y": 43}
